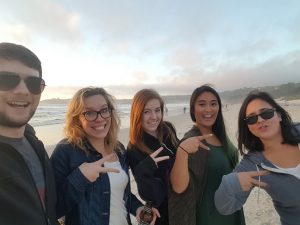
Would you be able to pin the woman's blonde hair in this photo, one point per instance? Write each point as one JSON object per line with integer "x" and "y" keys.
{"x": 73, "y": 128}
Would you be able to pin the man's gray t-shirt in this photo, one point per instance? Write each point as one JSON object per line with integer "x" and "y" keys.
{"x": 26, "y": 150}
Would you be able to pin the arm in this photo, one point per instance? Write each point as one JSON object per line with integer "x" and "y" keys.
{"x": 236, "y": 187}
{"x": 179, "y": 176}
{"x": 149, "y": 186}
{"x": 70, "y": 184}
{"x": 135, "y": 204}
{"x": 230, "y": 197}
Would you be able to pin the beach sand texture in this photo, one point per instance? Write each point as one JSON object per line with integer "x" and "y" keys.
{"x": 256, "y": 213}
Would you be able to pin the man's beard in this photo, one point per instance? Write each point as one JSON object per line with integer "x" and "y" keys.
{"x": 7, "y": 122}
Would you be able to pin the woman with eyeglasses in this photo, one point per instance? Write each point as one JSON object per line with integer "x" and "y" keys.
{"x": 151, "y": 150}
{"x": 269, "y": 143}
{"x": 198, "y": 169}
{"x": 90, "y": 164}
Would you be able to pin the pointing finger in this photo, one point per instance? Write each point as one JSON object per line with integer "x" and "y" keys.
{"x": 258, "y": 173}
{"x": 201, "y": 145}
{"x": 158, "y": 159}
{"x": 201, "y": 138}
{"x": 155, "y": 153}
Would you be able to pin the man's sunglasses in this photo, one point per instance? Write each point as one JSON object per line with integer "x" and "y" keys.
{"x": 266, "y": 114}
{"x": 9, "y": 81}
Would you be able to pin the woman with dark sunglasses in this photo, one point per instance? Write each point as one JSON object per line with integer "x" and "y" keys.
{"x": 90, "y": 164}
{"x": 269, "y": 142}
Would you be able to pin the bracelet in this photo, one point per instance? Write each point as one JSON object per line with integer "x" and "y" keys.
{"x": 184, "y": 149}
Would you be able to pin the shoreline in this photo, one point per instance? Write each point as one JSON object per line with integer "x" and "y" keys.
{"x": 52, "y": 134}
{"x": 256, "y": 213}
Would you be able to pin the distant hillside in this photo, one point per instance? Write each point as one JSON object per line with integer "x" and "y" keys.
{"x": 289, "y": 91}
{"x": 55, "y": 101}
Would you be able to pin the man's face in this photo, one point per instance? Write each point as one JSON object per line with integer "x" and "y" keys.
{"x": 17, "y": 105}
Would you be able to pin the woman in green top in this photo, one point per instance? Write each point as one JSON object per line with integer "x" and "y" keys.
{"x": 197, "y": 172}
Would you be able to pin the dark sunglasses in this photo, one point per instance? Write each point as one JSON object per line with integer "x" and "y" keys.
{"x": 266, "y": 114}
{"x": 9, "y": 81}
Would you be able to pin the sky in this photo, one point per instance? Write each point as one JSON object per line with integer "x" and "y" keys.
{"x": 171, "y": 46}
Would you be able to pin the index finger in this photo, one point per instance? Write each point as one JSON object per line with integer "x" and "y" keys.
{"x": 258, "y": 173}
{"x": 156, "y": 152}
{"x": 158, "y": 159}
{"x": 201, "y": 138}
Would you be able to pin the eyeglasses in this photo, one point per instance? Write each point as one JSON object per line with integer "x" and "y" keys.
{"x": 266, "y": 114}
{"x": 9, "y": 81}
{"x": 93, "y": 115}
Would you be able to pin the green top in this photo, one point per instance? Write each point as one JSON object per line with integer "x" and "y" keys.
{"x": 218, "y": 165}
{"x": 206, "y": 169}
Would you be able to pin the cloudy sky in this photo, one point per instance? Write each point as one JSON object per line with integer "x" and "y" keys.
{"x": 170, "y": 45}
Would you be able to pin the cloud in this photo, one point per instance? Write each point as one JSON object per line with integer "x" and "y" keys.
{"x": 184, "y": 56}
{"x": 16, "y": 32}
{"x": 172, "y": 46}
{"x": 46, "y": 19}
{"x": 276, "y": 70}
{"x": 184, "y": 79}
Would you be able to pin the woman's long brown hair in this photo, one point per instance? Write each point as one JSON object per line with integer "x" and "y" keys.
{"x": 136, "y": 116}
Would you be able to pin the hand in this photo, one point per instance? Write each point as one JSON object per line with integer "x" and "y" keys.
{"x": 155, "y": 215}
{"x": 158, "y": 159}
{"x": 154, "y": 211}
{"x": 93, "y": 170}
{"x": 138, "y": 212}
{"x": 192, "y": 144}
{"x": 247, "y": 180}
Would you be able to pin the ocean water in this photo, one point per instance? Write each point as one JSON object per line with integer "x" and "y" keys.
{"x": 50, "y": 114}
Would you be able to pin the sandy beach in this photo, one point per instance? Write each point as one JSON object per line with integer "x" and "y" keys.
{"x": 256, "y": 212}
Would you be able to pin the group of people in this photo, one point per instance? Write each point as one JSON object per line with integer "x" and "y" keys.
{"x": 197, "y": 180}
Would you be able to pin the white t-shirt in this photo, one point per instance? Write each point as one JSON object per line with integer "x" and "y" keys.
{"x": 118, "y": 183}
{"x": 294, "y": 171}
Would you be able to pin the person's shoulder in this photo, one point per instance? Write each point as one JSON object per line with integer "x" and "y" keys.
{"x": 64, "y": 142}
{"x": 30, "y": 135}
{"x": 132, "y": 151}
{"x": 249, "y": 162}
{"x": 134, "y": 154}
{"x": 194, "y": 131}
{"x": 29, "y": 130}
{"x": 64, "y": 145}
{"x": 132, "y": 148}
{"x": 169, "y": 126}
{"x": 253, "y": 157}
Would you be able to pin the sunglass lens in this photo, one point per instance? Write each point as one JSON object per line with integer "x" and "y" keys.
{"x": 268, "y": 114}
{"x": 35, "y": 85}
{"x": 8, "y": 81}
{"x": 251, "y": 120}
